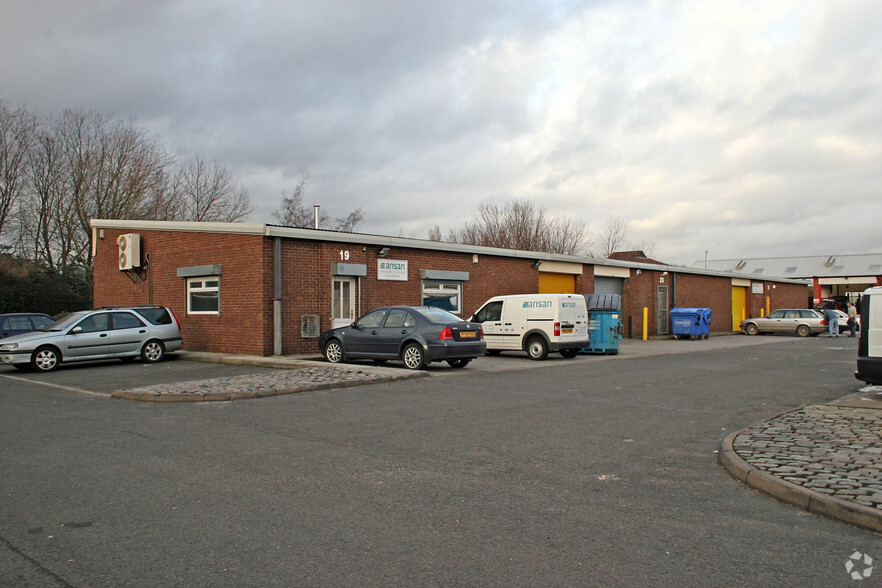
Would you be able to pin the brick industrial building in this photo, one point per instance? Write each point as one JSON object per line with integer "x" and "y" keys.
{"x": 840, "y": 276}
{"x": 271, "y": 290}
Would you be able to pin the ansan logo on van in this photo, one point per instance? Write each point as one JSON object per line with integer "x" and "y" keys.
{"x": 568, "y": 304}
{"x": 537, "y": 304}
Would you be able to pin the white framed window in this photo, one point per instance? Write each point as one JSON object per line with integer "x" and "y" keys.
{"x": 203, "y": 295}
{"x": 446, "y": 295}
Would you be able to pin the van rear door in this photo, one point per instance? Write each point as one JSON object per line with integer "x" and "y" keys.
{"x": 568, "y": 317}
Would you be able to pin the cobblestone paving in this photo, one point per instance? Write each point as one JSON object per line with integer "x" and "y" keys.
{"x": 828, "y": 449}
{"x": 281, "y": 381}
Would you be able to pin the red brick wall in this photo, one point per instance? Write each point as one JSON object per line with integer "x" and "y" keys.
{"x": 698, "y": 291}
{"x": 308, "y": 278}
{"x": 245, "y": 322}
{"x": 245, "y": 325}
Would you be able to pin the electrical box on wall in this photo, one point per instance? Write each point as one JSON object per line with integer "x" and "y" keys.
{"x": 129, "y": 251}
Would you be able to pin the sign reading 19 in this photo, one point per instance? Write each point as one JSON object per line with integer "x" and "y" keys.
{"x": 344, "y": 255}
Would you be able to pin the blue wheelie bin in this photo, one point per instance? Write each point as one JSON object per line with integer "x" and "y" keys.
{"x": 691, "y": 322}
{"x": 604, "y": 324}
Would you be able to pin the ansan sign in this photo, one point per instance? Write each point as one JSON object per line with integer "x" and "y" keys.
{"x": 392, "y": 269}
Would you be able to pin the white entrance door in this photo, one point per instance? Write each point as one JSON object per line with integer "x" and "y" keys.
{"x": 343, "y": 302}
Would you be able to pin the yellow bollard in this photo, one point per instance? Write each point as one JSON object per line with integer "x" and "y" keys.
{"x": 645, "y": 323}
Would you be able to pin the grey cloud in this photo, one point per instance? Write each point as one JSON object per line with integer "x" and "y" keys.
{"x": 419, "y": 111}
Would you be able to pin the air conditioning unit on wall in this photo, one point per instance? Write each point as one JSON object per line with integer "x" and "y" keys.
{"x": 129, "y": 251}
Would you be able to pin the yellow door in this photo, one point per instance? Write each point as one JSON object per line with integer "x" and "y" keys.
{"x": 739, "y": 306}
{"x": 556, "y": 283}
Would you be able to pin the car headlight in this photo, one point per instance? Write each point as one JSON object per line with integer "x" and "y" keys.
{"x": 9, "y": 347}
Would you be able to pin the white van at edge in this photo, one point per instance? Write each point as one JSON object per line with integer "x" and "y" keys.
{"x": 869, "y": 361}
{"x": 535, "y": 323}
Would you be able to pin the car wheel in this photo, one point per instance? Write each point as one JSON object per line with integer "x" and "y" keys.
{"x": 458, "y": 363}
{"x": 333, "y": 351}
{"x": 803, "y": 330}
{"x": 537, "y": 349}
{"x": 569, "y": 353}
{"x": 751, "y": 329}
{"x": 45, "y": 359}
{"x": 413, "y": 357}
{"x": 153, "y": 351}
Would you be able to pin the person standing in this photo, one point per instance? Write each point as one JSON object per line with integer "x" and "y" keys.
{"x": 852, "y": 318}
{"x": 832, "y": 322}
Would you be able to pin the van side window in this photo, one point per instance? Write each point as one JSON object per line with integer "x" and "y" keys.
{"x": 491, "y": 312}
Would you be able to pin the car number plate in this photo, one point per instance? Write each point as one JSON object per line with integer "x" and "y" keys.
{"x": 566, "y": 331}
{"x": 466, "y": 334}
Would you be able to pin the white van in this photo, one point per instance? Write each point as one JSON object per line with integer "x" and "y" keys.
{"x": 535, "y": 323}
{"x": 869, "y": 361}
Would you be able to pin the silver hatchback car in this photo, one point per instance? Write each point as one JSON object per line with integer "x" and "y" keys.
{"x": 106, "y": 333}
{"x": 802, "y": 321}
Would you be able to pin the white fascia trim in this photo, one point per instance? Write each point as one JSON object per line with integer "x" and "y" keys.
{"x": 193, "y": 227}
{"x": 845, "y": 281}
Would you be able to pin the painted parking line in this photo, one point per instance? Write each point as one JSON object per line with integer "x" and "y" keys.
{"x": 68, "y": 388}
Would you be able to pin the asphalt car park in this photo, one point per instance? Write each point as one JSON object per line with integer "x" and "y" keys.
{"x": 104, "y": 377}
{"x": 592, "y": 471}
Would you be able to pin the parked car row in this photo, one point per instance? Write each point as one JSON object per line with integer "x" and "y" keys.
{"x": 802, "y": 321}
{"x": 23, "y": 322}
{"x": 416, "y": 335}
{"x": 148, "y": 332}
{"x": 419, "y": 335}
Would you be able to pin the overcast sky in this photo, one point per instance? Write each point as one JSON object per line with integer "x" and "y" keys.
{"x": 746, "y": 129}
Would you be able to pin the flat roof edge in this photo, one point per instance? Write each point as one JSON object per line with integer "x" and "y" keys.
{"x": 405, "y": 242}
{"x": 185, "y": 226}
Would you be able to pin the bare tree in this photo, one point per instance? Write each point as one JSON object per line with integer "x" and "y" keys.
{"x": 435, "y": 233}
{"x": 59, "y": 173}
{"x": 293, "y": 213}
{"x": 113, "y": 170}
{"x": 17, "y": 129}
{"x": 47, "y": 228}
{"x": 521, "y": 225}
{"x": 347, "y": 224}
{"x": 205, "y": 192}
{"x": 616, "y": 236}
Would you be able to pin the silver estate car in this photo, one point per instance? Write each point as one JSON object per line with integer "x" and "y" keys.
{"x": 802, "y": 321}
{"x": 125, "y": 333}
